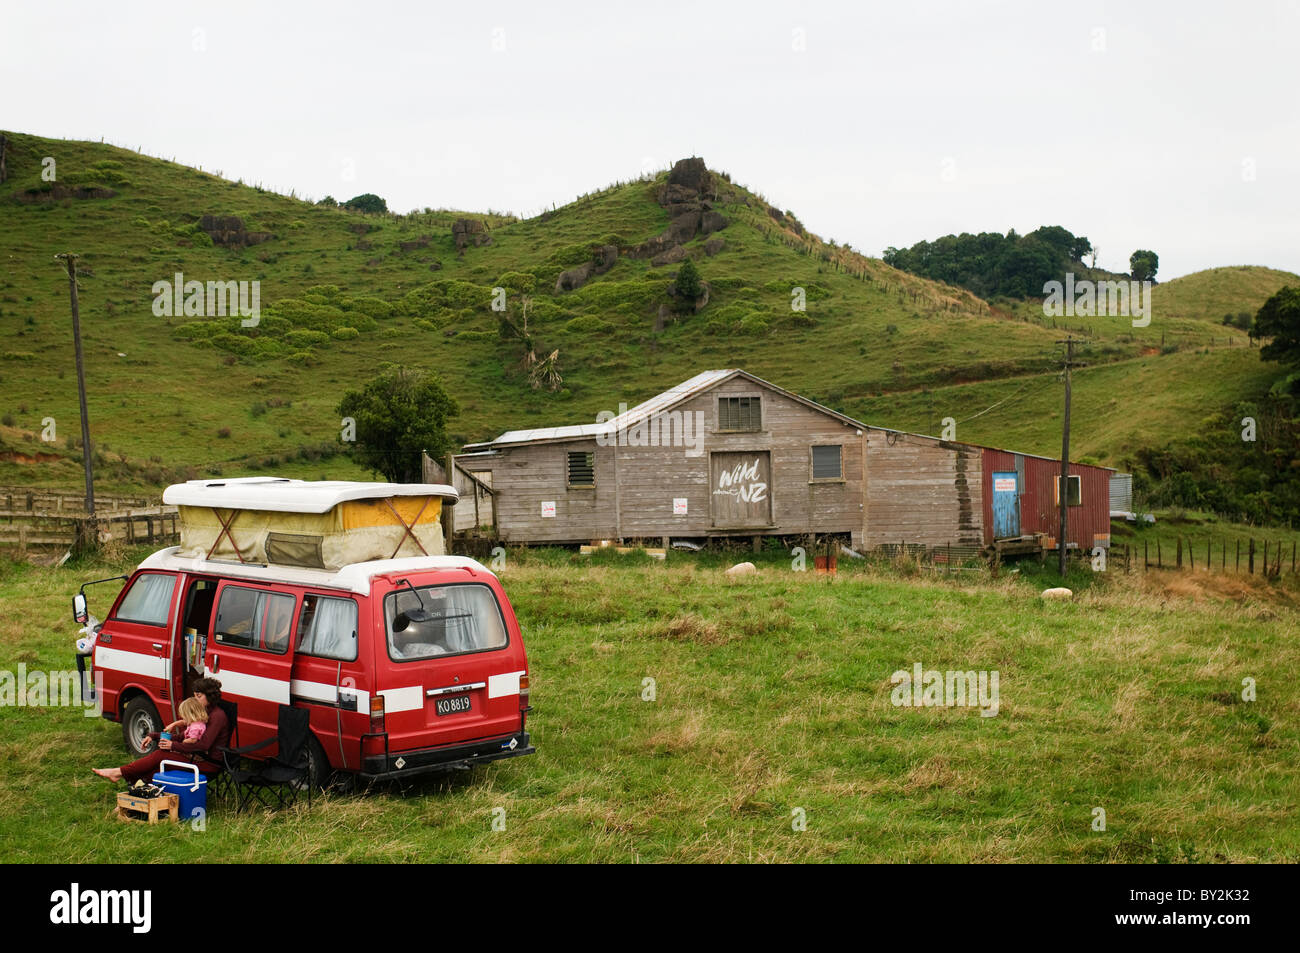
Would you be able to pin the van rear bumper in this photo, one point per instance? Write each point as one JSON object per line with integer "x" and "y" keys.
{"x": 429, "y": 760}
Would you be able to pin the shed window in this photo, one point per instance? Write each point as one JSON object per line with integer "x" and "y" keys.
{"x": 740, "y": 413}
{"x": 827, "y": 463}
{"x": 582, "y": 469}
{"x": 1076, "y": 492}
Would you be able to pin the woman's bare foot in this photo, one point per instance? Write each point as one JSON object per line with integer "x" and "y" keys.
{"x": 112, "y": 774}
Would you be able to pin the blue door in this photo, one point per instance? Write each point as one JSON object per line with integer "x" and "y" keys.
{"x": 1006, "y": 505}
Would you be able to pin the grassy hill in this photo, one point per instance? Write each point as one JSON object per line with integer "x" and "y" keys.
{"x": 343, "y": 292}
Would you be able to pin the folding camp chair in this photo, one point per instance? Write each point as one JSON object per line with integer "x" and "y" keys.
{"x": 275, "y": 781}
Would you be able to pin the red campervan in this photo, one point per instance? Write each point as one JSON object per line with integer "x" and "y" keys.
{"x": 407, "y": 664}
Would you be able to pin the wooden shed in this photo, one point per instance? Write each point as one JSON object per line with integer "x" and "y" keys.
{"x": 722, "y": 454}
{"x": 728, "y": 454}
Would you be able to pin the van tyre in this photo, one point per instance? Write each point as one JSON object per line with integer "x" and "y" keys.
{"x": 139, "y": 718}
{"x": 318, "y": 766}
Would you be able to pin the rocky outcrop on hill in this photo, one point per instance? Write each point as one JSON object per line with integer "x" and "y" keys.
{"x": 468, "y": 231}
{"x": 602, "y": 260}
{"x": 228, "y": 231}
{"x": 56, "y": 191}
{"x": 688, "y": 196}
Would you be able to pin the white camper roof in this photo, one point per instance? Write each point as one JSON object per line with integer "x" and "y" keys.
{"x": 354, "y": 577}
{"x": 281, "y": 495}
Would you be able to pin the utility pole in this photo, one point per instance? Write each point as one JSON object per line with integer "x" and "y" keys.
{"x": 1063, "y": 490}
{"x": 70, "y": 260}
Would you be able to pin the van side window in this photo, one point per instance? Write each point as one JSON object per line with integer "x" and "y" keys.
{"x": 254, "y": 619}
{"x": 149, "y": 601}
{"x": 443, "y": 620}
{"x": 327, "y": 628}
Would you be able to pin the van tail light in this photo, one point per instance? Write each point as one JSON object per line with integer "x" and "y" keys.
{"x": 523, "y": 691}
{"x": 376, "y": 714}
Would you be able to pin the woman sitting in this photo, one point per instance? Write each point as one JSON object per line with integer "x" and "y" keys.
{"x": 202, "y": 752}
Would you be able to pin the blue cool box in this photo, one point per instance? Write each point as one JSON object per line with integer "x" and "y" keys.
{"x": 181, "y": 781}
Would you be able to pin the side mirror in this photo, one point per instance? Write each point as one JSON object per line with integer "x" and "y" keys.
{"x": 79, "y": 613}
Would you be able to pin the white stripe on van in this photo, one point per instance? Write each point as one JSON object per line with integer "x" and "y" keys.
{"x": 507, "y": 684}
{"x": 324, "y": 692}
{"x": 403, "y": 699}
{"x": 137, "y": 663}
{"x": 253, "y": 686}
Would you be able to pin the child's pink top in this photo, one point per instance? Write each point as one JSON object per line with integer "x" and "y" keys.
{"x": 194, "y": 731}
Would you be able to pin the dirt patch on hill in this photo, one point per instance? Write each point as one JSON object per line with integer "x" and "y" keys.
{"x": 14, "y": 456}
{"x": 56, "y": 191}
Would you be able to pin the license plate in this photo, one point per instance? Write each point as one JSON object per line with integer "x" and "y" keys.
{"x": 452, "y": 706}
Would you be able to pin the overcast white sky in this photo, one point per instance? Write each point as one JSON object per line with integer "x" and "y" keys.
{"x": 1169, "y": 126}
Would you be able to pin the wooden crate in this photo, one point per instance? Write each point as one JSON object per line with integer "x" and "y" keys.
{"x": 155, "y": 809}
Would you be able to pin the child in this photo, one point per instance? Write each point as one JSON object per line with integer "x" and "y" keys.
{"x": 195, "y": 717}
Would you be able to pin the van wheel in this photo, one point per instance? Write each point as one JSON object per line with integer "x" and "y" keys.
{"x": 139, "y": 718}
{"x": 318, "y": 766}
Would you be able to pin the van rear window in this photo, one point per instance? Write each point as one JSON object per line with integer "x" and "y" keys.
{"x": 430, "y": 621}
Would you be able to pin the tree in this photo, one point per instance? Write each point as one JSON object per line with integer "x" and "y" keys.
{"x": 397, "y": 415}
{"x": 367, "y": 202}
{"x": 1279, "y": 321}
{"x": 1143, "y": 264}
{"x": 688, "y": 281}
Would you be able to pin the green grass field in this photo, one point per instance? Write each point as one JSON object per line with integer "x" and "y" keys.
{"x": 772, "y": 693}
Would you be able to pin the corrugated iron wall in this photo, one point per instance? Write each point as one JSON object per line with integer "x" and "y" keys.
{"x": 1088, "y": 524}
{"x": 1121, "y": 492}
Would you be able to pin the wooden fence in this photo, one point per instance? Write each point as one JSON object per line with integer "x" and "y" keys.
{"x": 46, "y": 521}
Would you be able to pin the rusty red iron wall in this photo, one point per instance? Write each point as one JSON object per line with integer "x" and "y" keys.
{"x": 1088, "y": 524}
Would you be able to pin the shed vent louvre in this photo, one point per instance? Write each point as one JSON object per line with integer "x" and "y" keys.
{"x": 582, "y": 469}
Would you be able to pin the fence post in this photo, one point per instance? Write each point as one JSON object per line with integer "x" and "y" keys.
{"x": 1208, "y": 564}
{"x": 1146, "y": 555}
{"x": 1237, "y": 568}
{"x": 1251, "y": 555}
{"x": 1179, "y": 563}
{"x": 1160, "y": 562}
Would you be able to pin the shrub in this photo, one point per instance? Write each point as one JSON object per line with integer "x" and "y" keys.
{"x": 587, "y": 324}
{"x": 345, "y": 334}
{"x": 367, "y": 202}
{"x": 305, "y": 339}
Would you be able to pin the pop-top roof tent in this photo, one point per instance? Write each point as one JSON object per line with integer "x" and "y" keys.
{"x": 312, "y": 525}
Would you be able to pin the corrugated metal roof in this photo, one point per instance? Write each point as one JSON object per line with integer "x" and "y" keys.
{"x": 660, "y": 402}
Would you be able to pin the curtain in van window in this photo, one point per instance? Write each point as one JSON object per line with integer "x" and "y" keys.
{"x": 333, "y": 632}
{"x": 473, "y": 620}
{"x": 149, "y": 600}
